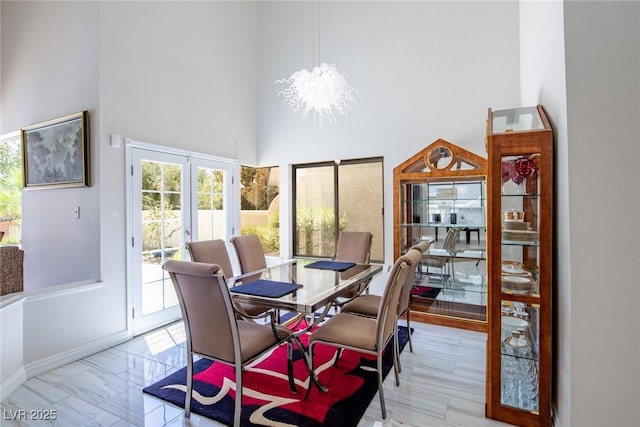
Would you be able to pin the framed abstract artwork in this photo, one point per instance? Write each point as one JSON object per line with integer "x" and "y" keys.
{"x": 55, "y": 153}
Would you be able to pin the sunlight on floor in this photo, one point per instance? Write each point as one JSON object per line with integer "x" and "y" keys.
{"x": 165, "y": 338}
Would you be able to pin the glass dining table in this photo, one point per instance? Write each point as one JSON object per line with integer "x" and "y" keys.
{"x": 319, "y": 286}
{"x": 311, "y": 299}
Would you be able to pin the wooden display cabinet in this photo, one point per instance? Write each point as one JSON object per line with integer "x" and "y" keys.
{"x": 440, "y": 188}
{"x": 519, "y": 259}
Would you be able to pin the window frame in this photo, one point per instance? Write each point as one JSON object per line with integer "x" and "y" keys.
{"x": 336, "y": 196}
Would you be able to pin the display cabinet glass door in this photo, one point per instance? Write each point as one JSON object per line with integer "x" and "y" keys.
{"x": 520, "y": 239}
{"x": 450, "y": 281}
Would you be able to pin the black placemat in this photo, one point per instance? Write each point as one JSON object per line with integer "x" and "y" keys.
{"x": 331, "y": 265}
{"x": 266, "y": 288}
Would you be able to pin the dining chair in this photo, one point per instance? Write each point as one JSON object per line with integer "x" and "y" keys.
{"x": 250, "y": 255}
{"x": 369, "y": 305}
{"x": 441, "y": 262}
{"x": 364, "y": 334}
{"x": 215, "y": 252}
{"x": 468, "y": 232}
{"x": 353, "y": 246}
{"x": 214, "y": 331}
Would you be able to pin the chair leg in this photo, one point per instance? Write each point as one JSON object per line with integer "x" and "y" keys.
{"x": 238, "y": 406}
{"x": 187, "y": 398}
{"x": 396, "y": 347}
{"x": 409, "y": 330}
{"x": 396, "y": 364}
{"x": 380, "y": 391}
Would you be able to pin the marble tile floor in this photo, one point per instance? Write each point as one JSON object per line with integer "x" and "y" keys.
{"x": 441, "y": 384}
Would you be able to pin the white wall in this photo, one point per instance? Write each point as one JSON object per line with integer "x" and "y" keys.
{"x": 602, "y": 45}
{"x": 180, "y": 74}
{"x": 50, "y": 69}
{"x": 424, "y": 70}
{"x": 48, "y": 73}
{"x": 11, "y": 354}
{"x": 581, "y": 61}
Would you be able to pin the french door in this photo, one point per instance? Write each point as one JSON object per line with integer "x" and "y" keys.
{"x": 173, "y": 198}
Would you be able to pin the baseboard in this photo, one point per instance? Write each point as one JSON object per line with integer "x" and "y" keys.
{"x": 14, "y": 381}
{"x": 33, "y": 369}
{"x": 52, "y": 362}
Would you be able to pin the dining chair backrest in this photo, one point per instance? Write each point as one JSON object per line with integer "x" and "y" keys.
{"x": 387, "y": 311}
{"x": 354, "y": 246}
{"x": 423, "y": 246}
{"x": 405, "y": 294}
{"x": 207, "y": 311}
{"x": 250, "y": 255}
{"x": 452, "y": 239}
{"x": 211, "y": 252}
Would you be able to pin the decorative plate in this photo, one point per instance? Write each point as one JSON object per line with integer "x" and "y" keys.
{"x": 519, "y": 343}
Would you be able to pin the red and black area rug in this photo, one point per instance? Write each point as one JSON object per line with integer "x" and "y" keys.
{"x": 267, "y": 399}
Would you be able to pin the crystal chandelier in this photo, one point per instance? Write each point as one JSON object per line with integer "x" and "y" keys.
{"x": 322, "y": 92}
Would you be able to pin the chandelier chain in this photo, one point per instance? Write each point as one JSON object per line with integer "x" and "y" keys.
{"x": 322, "y": 92}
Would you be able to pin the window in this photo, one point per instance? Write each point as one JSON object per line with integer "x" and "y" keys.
{"x": 11, "y": 184}
{"x": 330, "y": 198}
{"x": 259, "y": 207}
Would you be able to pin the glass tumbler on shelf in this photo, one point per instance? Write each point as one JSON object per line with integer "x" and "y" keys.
{"x": 529, "y": 386}
{"x": 509, "y": 377}
{"x": 519, "y": 373}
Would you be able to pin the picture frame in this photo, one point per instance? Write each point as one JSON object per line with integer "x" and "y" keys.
{"x": 55, "y": 153}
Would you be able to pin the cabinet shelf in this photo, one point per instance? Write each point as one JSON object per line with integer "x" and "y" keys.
{"x": 522, "y": 196}
{"x": 437, "y": 202}
{"x": 522, "y": 353}
{"x": 441, "y": 225}
{"x": 519, "y": 243}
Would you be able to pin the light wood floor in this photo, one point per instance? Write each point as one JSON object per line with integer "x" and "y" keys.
{"x": 441, "y": 384}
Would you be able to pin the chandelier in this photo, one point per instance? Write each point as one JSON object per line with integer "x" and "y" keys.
{"x": 322, "y": 92}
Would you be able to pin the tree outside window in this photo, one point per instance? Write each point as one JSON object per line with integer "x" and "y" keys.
{"x": 11, "y": 189}
{"x": 259, "y": 204}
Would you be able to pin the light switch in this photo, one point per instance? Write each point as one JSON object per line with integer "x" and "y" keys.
{"x": 115, "y": 141}
{"x": 76, "y": 212}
